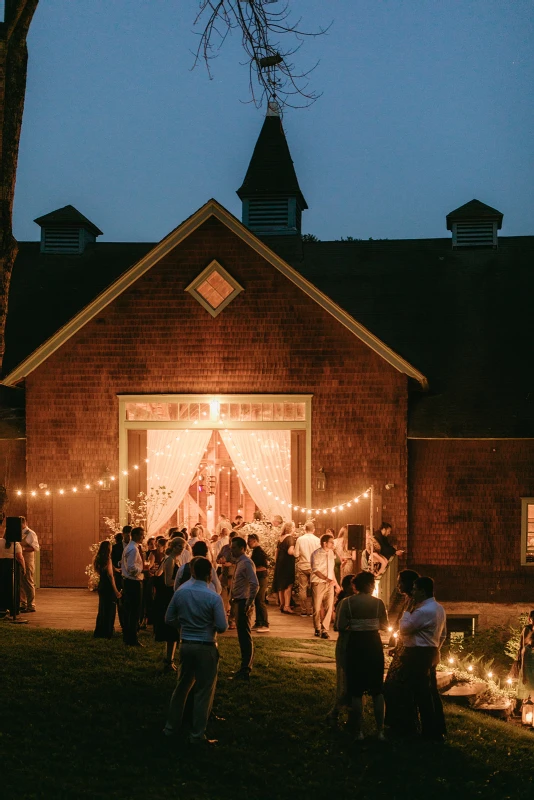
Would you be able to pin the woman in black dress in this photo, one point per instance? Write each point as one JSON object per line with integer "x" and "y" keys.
{"x": 108, "y": 594}
{"x": 364, "y": 616}
{"x": 284, "y": 569}
{"x": 401, "y": 711}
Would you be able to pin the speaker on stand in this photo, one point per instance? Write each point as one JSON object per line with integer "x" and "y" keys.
{"x": 356, "y": 543}
{"x": 13, "y": 534}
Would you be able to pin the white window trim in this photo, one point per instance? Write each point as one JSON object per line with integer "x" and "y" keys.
{"x": 525, "y": 501}
{"x": 126, "y": 425}
{"x": 193, "y": 287}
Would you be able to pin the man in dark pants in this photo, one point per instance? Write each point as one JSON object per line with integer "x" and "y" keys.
{"x": 423, "y": 632}
{"x": 260, "y": 559}
{"x": 244, "y": 589}
{"x": 132, "y": 576}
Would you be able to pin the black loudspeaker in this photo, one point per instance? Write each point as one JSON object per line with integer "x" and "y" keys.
{"x": 356, "y": 537}
{"x": 13, "y": 529}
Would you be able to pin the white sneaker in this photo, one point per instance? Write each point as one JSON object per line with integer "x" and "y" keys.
{"x": 263, "y": 629}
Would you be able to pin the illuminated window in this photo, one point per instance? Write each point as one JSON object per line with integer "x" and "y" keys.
{"x": 214, "y": 288}
{"x": 527, "y": 530}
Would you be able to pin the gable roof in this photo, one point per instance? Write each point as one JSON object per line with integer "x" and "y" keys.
{"x": 155, "y": 253}
{"x": 68, "y": 215}
{"x": 271, "y": 171}
{"x": 474, "y": 210}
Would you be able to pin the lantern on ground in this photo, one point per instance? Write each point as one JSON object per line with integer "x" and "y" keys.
{"x": 527, "y": 713}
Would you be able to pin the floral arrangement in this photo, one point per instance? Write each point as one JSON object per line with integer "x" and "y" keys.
{"x": 141, "y": 513}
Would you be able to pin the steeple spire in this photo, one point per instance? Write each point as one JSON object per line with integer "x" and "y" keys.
{"x": 271, "y": 195}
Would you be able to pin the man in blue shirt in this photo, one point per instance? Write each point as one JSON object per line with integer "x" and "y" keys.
{"x": 200, "y": 615}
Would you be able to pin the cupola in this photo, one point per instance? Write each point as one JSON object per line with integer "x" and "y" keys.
{"x": 474, "y": 225}
{"x": 66, "y": 231}
{"x": 271, "y": 196}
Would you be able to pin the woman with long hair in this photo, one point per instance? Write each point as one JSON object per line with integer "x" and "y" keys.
{"x": 524, "y": 664}
{"x": 284, "y": 568}
{"x": 164, "y": 589}
{"x": 401, "y": 711}
{"x": 108, "y": 594}
{"x": 364, "y": 616}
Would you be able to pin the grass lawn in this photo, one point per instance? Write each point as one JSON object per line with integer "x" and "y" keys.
{"x": 81, "y": 718}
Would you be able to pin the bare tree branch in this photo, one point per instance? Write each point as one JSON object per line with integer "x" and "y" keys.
{"x": 272, "y": 73}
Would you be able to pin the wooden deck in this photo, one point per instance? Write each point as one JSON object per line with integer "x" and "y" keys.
{"x": 75, "y": 609}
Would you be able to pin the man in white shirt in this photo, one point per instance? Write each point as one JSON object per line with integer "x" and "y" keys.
{"x": 423, "y": 632}
{"x": 245, "y": 586}
{"x": 199, "y": 614}
{"x": 132, "y": 587}
{"x": 306, "y": 544}
{"x": 30, "y": 545}
{"x": 324, "y": 585}
{"x": 184, "y": 571}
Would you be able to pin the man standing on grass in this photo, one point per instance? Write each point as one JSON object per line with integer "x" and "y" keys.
{"x": 260, "y": 559}
{"x": 30, "y": 545}
{"x": 324, "y": 585}
{"x": 306, "y": 544}
{"x": 244, "y": 590}
{"x": 199, "y": 614}
{"x": 423, "y": 632}
{"x": 132, "y": 587}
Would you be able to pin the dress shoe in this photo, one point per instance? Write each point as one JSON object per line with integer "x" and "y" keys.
{"x": 241, "y": 675}
{"x": 317, "y": 633}
{"x": 324, "y": 635}
{"x": 197, "y": 741}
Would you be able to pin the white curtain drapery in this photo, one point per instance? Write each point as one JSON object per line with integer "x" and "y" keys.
{"x": 173, "y": 459}
{"x": 263, "y": 462}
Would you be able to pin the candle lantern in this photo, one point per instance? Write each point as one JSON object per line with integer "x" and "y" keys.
{"x": 527, "y": 713}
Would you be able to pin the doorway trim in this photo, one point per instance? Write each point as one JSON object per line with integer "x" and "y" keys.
{"x": 213, "y": 423}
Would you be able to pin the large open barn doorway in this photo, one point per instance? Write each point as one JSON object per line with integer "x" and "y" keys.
{"x": 231, "y": 455}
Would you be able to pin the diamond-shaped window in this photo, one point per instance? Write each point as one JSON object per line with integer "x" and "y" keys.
{"x": 214, "y": 288}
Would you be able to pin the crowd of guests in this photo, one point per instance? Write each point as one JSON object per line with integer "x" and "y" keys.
{"x": 190, "y": 586}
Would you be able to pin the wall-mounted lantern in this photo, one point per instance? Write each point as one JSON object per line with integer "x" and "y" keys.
{"x": 320, "y": 480}
{"x": 104, "y": 484}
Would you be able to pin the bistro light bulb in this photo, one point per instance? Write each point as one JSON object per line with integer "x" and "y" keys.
{"x": 509, "y": 681}
{"x": 19, "y": 492}
{"x": 365, "y": 494}
{"x": 62, "y": 491}
{"x": 87, "y": 486}
{"x": 470, "y": 668}
{"x": 349, "y": 505}
{"x": 100, "y": 483}
{"x": 390, "y": 629}
{"x": 490, "y": 674}
{"x": 395, "y": 635}
{"x": 47, "y": 492}
{"x": 136, "y": 466}
{"x": 74, "y": 489}
{"x": 451, "y": 660}
{"x": 33, "y": 494}
{"x": 125, "y": 472}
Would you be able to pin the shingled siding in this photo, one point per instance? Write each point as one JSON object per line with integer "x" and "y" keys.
{"x": 272, "y": 338}
{"x": 13, "y": 475}
{"x": 465, "y": 516}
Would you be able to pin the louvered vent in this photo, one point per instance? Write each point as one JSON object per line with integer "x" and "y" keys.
{"x": 265, "y": 215}
{"x": 61, "y": 240}
{"x": 474, "y": 234}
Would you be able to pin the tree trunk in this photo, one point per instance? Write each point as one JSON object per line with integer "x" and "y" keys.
{"x": 13, "y": 63}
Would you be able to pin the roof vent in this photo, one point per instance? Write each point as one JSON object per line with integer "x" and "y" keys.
{"x": 66, "y": 231}
{"x": 474, "y": 225}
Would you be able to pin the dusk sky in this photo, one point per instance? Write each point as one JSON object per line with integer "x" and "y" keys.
{"x": 426, "y": 104}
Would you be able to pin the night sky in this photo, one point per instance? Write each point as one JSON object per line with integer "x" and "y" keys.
{"x": 426, "y": 104}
